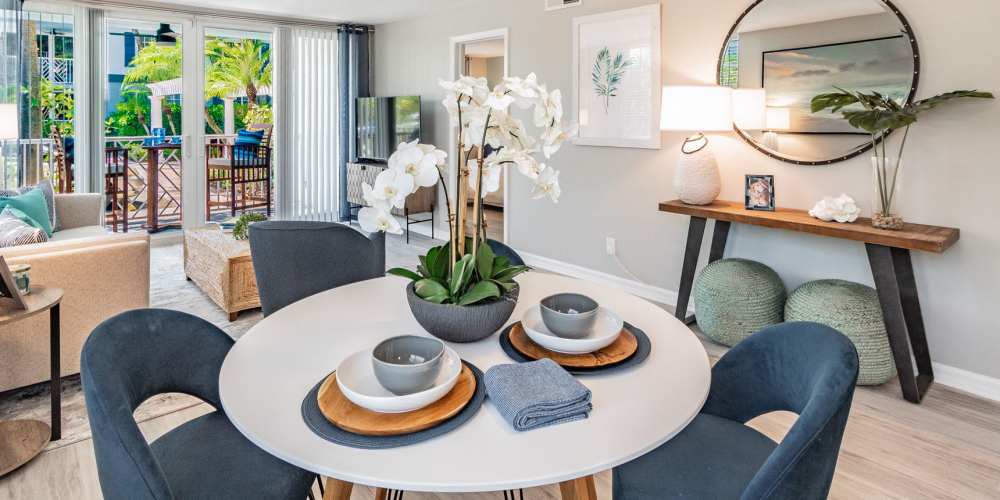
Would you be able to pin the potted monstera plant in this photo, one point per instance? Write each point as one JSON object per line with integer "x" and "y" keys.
{"x": 462, "y": 291}
{"x": 879, "y": 115}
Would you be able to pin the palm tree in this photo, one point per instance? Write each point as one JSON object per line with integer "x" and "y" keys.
{"x": 155, "y": 63}
{"x": 244, "y": 65}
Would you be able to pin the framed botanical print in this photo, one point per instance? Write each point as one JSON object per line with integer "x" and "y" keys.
{"x": 616, "y": 78}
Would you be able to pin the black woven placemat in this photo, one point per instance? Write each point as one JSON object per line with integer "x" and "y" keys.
{"x": 640, "y": 354}
{"x": 315, "y": 420}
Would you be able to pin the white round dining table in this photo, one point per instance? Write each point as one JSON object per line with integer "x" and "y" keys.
{"x": 274, "y": 365}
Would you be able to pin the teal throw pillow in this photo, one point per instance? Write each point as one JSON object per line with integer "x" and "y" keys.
{"x": 33, "y": 205}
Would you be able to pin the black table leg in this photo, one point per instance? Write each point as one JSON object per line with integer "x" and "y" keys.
{"x": 720, "y": 234}
{"x": 56, "y": 382}
{"x": 696, "y": 232}
{"x": 897, "y": 293}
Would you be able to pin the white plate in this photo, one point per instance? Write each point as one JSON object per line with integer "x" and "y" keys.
{"x": 356, "y": 379}
{"x": 606, "y": 329}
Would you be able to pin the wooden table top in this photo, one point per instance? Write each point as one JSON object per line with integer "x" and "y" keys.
{"x": 922, "y": 237}
{"x": 40, "y": 299}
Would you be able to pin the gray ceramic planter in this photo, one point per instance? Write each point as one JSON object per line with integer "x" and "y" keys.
{"x": 453, "y": 323}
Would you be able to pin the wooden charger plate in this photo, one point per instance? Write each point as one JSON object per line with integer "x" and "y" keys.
{"x": 350, "y": 417}
{"x": 616, "y": 352}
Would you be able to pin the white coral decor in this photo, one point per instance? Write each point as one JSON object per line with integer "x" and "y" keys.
{"x": 840, "y": 209}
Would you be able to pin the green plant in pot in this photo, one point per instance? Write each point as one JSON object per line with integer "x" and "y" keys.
{"x": 879, "y": 115}
{"x": 461, "y": 291}
{"x": 241, "y": 230}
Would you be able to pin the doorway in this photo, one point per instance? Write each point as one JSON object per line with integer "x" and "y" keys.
{"x": 485, "y": 55}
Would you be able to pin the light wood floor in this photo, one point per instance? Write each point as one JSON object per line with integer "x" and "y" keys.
{"x": 947, "y": 447}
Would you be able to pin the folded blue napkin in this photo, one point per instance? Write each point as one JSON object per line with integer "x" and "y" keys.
{"x": 536, "y": 394}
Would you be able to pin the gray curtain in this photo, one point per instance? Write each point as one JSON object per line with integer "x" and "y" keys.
{"x": 354, "y": 44}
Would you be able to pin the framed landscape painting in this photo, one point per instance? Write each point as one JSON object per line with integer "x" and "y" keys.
{"x": 616, "y": 78}
{"x": 792, "y": 77}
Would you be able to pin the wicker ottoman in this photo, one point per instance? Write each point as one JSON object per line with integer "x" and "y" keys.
{"x": 736, "y": 297}
{"x": 854, "y": 310}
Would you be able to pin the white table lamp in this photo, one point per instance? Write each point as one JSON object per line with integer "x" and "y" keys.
{"x": 8, "y": 121}
{"x": 777, "y": 119}
{"x": 749, "y": 107}
{"x": 697, "y": 109}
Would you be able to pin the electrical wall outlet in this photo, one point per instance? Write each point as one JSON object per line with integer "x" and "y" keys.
{"x": 611, "y": 246}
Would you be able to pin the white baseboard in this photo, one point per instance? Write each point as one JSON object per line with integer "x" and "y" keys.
{"x": 957, "y": 378}
{"x": 964, "y": 380}
{"x": 649, "y": 292}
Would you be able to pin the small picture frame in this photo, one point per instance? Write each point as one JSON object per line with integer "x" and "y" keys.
{"x": 10, "y": 297}
{"x": 759, "y": 192}
{"x": 561, "y": 4}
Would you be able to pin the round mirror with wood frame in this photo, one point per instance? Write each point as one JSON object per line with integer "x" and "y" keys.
{"x": 797, "y": 49}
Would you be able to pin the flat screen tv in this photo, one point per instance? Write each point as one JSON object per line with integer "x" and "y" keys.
{"x": 384, "y": 122}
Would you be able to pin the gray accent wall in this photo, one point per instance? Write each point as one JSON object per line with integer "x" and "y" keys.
{"x": 952, "y": 172}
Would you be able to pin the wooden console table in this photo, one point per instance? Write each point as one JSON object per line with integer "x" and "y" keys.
{"x": 888, "y": 255}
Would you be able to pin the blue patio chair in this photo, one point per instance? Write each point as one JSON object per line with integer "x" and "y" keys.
{"x": 295, "y": 259}
{"x": 806, "y": 368}
{"x": 141, "y": 353}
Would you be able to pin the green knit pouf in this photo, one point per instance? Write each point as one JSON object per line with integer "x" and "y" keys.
{"x": 854, "y": 310}
{"x": 736, "y": 297}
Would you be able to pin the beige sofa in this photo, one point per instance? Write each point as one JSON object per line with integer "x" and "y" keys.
{"x": 102, "y": 274}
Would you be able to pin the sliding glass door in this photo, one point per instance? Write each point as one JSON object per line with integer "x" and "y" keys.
{"x": 149, "y": 139}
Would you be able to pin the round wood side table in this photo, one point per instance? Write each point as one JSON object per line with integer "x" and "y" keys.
{"x": 23, "y": 440}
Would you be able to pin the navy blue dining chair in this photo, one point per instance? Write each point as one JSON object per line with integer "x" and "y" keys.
{"x": 295, "y": 259}
{"x": 502, "y": 250}
{"x": 805, "y": 368}
{"x": 141, "y": 353}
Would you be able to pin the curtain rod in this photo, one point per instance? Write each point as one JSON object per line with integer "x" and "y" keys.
{"x": 218, "y": 13}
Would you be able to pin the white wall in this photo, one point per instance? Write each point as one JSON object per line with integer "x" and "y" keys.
{"x": 952, "y": 173}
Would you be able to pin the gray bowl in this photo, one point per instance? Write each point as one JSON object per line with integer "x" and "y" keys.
{"x": 408, "y": 363}
{"x": 569, "y": 315}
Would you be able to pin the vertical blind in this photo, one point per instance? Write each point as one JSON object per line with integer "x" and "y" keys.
{"x": 312, "y": 163}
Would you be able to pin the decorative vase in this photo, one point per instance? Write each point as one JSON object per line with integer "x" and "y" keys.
{"x": 697, "y": 180}
{"x": 887, "y": 176}
{"x": 454, "y": 323}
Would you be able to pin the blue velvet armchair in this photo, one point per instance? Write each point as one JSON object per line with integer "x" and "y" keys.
{"x": 805, "y": 368}
{"x": 141, "y": 353}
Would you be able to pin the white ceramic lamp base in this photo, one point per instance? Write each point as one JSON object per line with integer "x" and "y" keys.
{"x": 697, "y": 180}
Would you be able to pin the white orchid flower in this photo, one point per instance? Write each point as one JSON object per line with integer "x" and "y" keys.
{"x": 491, "y": 176}
{"x": 438, "y": 156}
{"x": 499, "y": 99}
{"x": 412, "y": 159}
{"x": 526, "y": 163}
{"x": 375, "y": 220}
{"x": 393, "y": 186}
{"x": 549, "y": 109}
{"x": 524, "y": 90}
{"x": 554, "y": 136}
{"x": 472, "y": 130}
{"x": 372, "y": 199}
{"x": 547, "y": 184}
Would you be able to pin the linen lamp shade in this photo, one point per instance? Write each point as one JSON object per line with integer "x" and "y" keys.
{"x": 779, "y": 119}
{"x": 697, "y": 109}
{"x": 8, "y": 121}
{"x": 749, "y": 109}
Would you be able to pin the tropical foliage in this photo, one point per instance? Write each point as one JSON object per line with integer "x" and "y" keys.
{"x": 55, "y": 103}
{"x": 879, "y": 115}
{"x": 608, "y": 74}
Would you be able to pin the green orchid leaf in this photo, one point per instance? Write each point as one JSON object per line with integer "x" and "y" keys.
{"x": 510, "y": 272}
{"x": 461, "y": 274}
{"x": 439, "y": 267}
{"x": 427, "y": 288}
{"x": 500, "y": 263}
{"x": 406, "y": 273}
{"x": 479, "y": 292}
{"x": 484, "y": 261}
{"x": 505, "y": 285}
